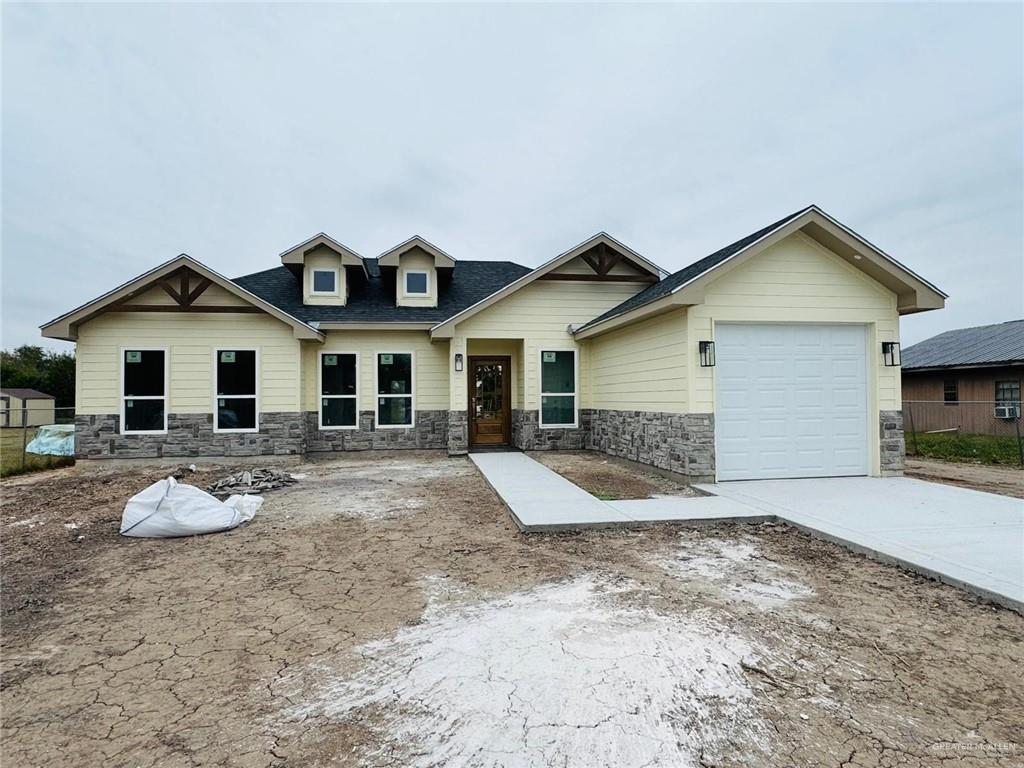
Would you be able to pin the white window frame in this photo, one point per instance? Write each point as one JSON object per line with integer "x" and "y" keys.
{"x": 321, "y": 396}
{"x": 216, "y": 397}
{"x": 405, "y": 284}
{"x": 377, "y": 397}
{"x": 576, "y": 387}
{"x": 312, "y": 282}
{"x": 166, "y": 396}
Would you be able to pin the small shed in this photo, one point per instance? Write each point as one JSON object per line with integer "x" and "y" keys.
{"x": 21, "y": 407}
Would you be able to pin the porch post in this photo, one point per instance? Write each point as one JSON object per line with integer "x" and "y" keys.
{"x": 458, "y": 415}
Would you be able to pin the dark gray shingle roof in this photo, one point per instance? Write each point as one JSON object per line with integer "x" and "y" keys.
{"x": 981, "y": 345}
{"x": 683, "y": 276}
{"x": 373, "y": 299}
{"x": 26, "y": 394}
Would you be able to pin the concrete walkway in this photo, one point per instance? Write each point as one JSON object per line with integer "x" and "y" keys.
{"x": 962, "y": 537}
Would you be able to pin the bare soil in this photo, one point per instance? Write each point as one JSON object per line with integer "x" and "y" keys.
{"x": 1008, "y": 481}
{"x": 610, "y": 478}
{"x": 201, "y": 651}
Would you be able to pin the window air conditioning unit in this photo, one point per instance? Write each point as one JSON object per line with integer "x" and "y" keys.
{"x": 1007, "y": 412}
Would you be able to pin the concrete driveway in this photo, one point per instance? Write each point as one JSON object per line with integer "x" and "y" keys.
{"x": 967, "y": 538}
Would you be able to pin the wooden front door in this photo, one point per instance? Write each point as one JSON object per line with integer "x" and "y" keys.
{"x": 490, "y": 406}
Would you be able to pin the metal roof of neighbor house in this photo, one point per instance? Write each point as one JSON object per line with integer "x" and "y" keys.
{"x": 372, "y": 299}
{"x": 26, "y": 394}
{"x": 676, "y": 279}
{"x": 982, "y": 345}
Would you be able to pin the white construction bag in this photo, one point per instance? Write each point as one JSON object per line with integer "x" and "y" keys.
{"x": 168, "y": 508}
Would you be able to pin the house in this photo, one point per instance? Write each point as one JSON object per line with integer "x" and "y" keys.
{"x": 763, "y": 359}
{"x": 967, "y": 379}
{"x": 20, "y": 407}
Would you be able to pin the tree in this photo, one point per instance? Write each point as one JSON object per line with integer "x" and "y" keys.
{"x": 37, "y": 368}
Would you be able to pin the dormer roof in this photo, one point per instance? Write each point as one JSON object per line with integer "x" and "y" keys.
{"x": 441, "y": 259}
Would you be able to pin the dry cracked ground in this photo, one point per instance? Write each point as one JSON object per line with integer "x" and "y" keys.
{"x": 384, "y": 612}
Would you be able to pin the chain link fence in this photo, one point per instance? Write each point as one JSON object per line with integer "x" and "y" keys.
{"x": 18, "y": 427}
{"x": 983, "y": 431}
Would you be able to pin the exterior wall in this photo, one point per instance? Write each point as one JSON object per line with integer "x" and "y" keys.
{"x": 528, "y": 435}
{"x": 641, "y": 366}
{"x": 682, "y": 443}
{"x": 190, "y": 338}
{"x": 430, "y": 431}
{"x": 97, "y": 436}
{"x": 416, "y": 260}
{"x": 540, "y": 314}
{"x": 976, "y": 389}
{"x": 323, "y": 258}
{"x": 798, "y": 281}
{"x": 893, "y": 449}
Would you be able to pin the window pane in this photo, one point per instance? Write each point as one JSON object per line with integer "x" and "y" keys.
{"x": 558, "y": 372}
{"x": 338, "y": 374}
{"x": 338, "y": 411}
{"x": 1008, "y": 391}
{"x": 236, "y": 413}
{"x": 323, "y": 282}
{"x": 144, "y": 373}
{"x": 394, "y": 374}
{"x": 236, "y": 372}
{"x": 415, "y": 282}
{"x": 143, "y": 415}
{"x": 558, "y": 409}
{"x": 949, "y": 391}
{"x": 394, "y": 410}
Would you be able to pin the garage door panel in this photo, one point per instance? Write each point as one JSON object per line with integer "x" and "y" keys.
{"x": 791, "y": 401}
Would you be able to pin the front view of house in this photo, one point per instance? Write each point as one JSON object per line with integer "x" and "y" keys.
{"x": 774, "y": 357}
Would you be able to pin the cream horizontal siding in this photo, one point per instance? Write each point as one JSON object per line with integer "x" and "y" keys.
{"x": 641, "y": 366}
{"x": 430, "y": 360}
{"x": 190, "y": 339}
{"x": 540, "y": 314}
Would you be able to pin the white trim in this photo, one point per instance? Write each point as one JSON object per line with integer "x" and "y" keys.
{"x": 320, "y": 396}
{"x": 405, "y": 284}
{"x": 575, "y": 393}
{"x": 412, "y": 389}
{"x": 256, "y": 396}
{"x": 312, "y": 282}
{"x": 166, "y": 396}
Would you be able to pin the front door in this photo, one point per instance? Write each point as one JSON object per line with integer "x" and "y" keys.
{"x": 490, "y": 409}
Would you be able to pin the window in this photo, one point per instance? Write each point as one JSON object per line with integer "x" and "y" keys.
{"x": 394, "y": 389}
{"x": 417, "y": 283}
{"x": 558, "y": 388}
{"x": 338, "y": 389}
{"x": 143, "y": 391}
{"x": 325, "y": 281}
{"x": 236, "y": 406}
{"x": 1008, "y": 393}
{"x": 950, "y": 392}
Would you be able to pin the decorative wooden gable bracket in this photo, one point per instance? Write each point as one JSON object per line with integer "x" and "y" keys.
{"x": 184, "y": 296}
{"x": 602, "y": 259}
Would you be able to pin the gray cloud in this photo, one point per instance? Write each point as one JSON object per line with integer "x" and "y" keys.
{"x": 132, "y": 133}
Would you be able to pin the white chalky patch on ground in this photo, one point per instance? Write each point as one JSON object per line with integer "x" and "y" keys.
{"x": 737, "y": 568}
{"x": 559, "y": 674}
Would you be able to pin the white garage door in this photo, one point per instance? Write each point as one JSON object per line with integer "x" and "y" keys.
{"x": 791, "y": 401}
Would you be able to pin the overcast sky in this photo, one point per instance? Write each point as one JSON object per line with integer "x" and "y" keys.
{"x": 132, "y": 133}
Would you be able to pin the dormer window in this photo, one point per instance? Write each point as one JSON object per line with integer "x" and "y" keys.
{"x": 325, "y": 282}
{"x": 417, "y": 283}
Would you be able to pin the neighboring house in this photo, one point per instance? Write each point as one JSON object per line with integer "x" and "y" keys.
{"x": 596, "y": 348}
{"x": 976, "y": 373}
{"x": 21, "y": 407}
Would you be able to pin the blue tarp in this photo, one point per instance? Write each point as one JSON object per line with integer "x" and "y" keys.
{"x": 53, "y": 440}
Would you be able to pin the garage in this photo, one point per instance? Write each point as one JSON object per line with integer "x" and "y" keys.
{"x": 791, "y": 401}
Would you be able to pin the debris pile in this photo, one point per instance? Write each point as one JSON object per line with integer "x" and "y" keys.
{"x": 251, "y": 481}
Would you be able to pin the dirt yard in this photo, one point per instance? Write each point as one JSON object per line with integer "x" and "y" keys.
{"x": 609, "y": 478}
{"x": 1008, "y": 481}
{"x": 384, "y": 611}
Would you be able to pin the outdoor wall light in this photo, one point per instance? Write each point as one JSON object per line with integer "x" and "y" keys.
{"x": 707, "y": 354}
{"x": 891, "y": 353}
{"x": 458, "y": 362}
